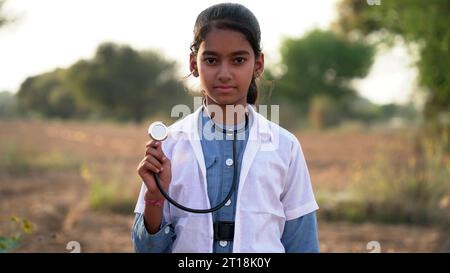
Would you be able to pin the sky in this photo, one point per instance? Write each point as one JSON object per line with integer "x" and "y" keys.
{"x": 52, "y": 33}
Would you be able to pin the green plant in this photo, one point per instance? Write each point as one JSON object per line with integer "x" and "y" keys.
{"x": 9, "y": 243}
{"x": 106, "y": 192}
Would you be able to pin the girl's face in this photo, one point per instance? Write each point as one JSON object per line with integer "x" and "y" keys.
{"x": 226, "y": 64}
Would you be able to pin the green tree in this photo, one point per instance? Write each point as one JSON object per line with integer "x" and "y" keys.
{"x": 126, "y": 83}
{"x": 424, "y": 24}
{"x": 7, "y": 104}
{"x": 322, "y": 64}
{"x": 48, "y": 95}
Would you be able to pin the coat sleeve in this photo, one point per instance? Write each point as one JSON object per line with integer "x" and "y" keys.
{"x": 144, "y": 242}
{"x": 297, "y": 197}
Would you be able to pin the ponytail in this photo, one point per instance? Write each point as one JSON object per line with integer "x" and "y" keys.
{"x": 252, "y": 94}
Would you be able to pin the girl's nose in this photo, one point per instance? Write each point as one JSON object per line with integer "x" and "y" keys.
{"x": 224, "y": 73}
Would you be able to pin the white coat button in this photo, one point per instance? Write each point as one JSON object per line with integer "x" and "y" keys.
{"x": 223, "y": 243}
{"x": 167, "y": 230}
{"x": 229, "y": 162}
{"x": 228, "y": 203}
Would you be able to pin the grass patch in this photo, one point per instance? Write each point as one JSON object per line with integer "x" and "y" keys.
{"x": 16, "y": 162}
{"x": 414, "y": 191}
{"x": 21, "y": 227}
{"x": 106, "y": 190}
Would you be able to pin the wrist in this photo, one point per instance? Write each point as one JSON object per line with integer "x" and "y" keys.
{"x": 151, "y": 201}
{"x": 155, "y": 203}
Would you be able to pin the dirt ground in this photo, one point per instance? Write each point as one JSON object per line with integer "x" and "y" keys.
{"x": 55, "y": 201}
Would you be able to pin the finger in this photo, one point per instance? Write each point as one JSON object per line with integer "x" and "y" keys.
{"x": 154, "y": 152}
{"x": 150, "y": 143}
{"x": 153, "y": 161}
{"x": 158, "y": 148}
{"x": 153, "y": 143}
{"x": 149, "y": 166}
{"x": 142, "y": 167}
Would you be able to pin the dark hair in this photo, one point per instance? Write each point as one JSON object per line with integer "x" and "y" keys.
{"x": 235, "y": 17}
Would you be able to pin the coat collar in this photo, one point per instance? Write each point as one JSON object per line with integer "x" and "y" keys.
{"x": 260, "y": 133}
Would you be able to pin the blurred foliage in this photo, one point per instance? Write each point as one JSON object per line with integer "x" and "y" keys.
{"x": 322, "y": 63}
{"x": 414, "y": 191}
{"x": 21, "y": 227}
{"x": 49, "y": 95}
{"x": 3, "y": 19}
{"x": 119, "y": 82}
{"x": 423, "y": 24}
{"x": 323, "y": 112}
{"x": 15, "y": 161}
{"x": 316, "y": 73}
{"x": 8, "y": 104}
{"x": 125, "y": 82}
{"x": 106, "y": 191}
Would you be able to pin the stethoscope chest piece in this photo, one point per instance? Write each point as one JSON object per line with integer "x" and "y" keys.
{"x": 158, "y": 131}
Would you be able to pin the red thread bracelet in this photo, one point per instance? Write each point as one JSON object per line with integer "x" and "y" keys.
{"x": 152, "y": 202}
{"x": 158, "y": 203}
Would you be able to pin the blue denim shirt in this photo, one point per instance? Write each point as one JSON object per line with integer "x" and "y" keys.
{"x": 299, "y": 235}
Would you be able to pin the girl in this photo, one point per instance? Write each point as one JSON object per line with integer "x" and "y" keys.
{"x": 273, "y": 207}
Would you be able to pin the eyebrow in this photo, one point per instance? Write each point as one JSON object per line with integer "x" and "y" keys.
{"x": 239, "y": 52}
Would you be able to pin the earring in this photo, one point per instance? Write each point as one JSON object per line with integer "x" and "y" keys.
{"x": 195, "y": 73}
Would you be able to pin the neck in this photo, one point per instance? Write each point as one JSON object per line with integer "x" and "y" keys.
{"x": 229, "y": 114}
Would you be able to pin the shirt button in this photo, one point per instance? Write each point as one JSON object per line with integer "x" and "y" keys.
{"x": 228, "y": 203}
{"x": 229, "y": 162}
{"x": 223, "y": 243}
{"x": 167, "y": 230}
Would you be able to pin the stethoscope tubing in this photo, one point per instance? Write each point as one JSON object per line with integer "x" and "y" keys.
{"x": 217, "y": 207}
{"x": 233, "y": 185}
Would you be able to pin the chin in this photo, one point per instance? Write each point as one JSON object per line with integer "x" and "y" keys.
{"x": 226, "y": 100}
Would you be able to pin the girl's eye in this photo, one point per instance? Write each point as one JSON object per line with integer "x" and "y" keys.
{"x": 239, "y": 60}
{"x": 210, "y": 60}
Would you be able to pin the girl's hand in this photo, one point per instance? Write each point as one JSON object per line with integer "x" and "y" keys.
{"x": 155, "y": 162}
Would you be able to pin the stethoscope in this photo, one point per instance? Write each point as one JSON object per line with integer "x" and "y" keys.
{"x": 159, "y": 131}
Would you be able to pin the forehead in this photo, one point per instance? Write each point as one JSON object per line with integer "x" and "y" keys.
{"x": 225, "y": 42}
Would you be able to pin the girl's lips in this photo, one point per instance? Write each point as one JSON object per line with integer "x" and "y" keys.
{"x": 224, "y": 88}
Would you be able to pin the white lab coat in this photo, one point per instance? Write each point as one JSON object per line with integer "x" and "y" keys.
{"x": 274, "y": 186}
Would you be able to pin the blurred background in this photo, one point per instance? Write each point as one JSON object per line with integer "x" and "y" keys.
{"x": 363, "y": 84}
